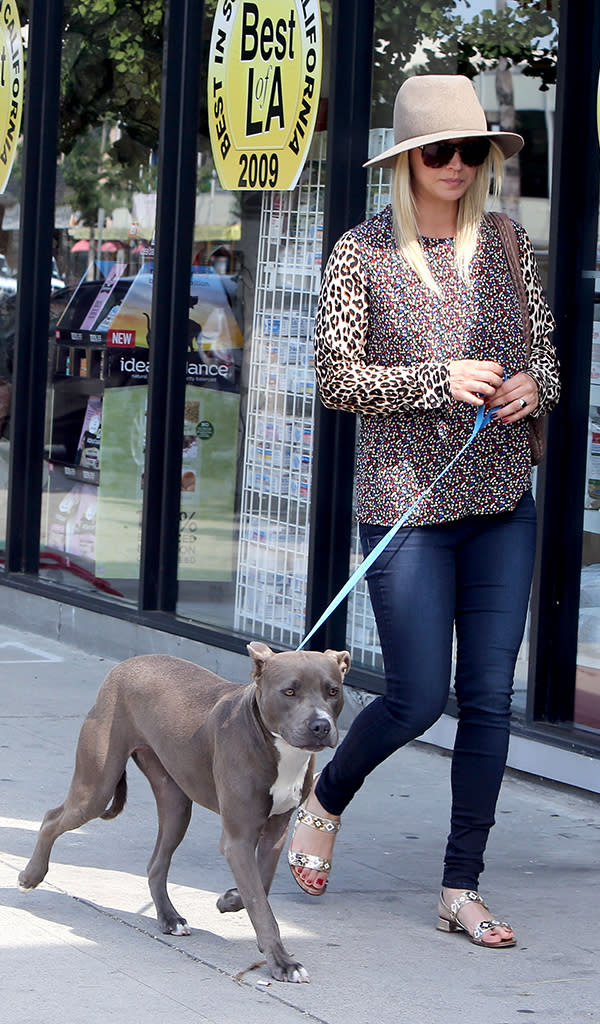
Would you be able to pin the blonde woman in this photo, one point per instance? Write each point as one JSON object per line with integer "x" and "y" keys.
{"x": 419, "y": 323}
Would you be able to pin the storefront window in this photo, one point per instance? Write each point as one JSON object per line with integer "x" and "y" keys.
{"x": 216, "y": 345}
{"x": 587, "y": 686}
{"x": 248, "y": 432}
{"x": 516, "y": 88}
{"x": 254, "y": 279}
{"x": 100, "y": 331}
{"x": 247, "y": 449}
{"x": 249, "y": 396}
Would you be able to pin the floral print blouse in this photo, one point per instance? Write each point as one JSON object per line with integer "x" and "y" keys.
{"x": 383, "y": 343}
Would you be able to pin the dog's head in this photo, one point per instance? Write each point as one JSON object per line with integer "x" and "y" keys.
{"x": 300, "y": 694}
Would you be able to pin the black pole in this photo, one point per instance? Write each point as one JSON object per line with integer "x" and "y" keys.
{"x": 175, "y": 217}
{"x": 40, "y": 129}
{"x": 348, "y": 121}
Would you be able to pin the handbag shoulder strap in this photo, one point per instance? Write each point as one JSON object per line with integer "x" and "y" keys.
{"x": 505, "y": 229}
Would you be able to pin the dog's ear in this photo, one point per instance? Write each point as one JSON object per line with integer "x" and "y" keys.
{"x": 342, "y": 658}
{"x": 260, "y": 654}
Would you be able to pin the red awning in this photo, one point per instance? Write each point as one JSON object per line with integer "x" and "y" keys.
{"x": 83, "y": 245}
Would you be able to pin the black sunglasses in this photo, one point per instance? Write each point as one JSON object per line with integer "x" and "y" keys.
{"x": 472, "y": 152}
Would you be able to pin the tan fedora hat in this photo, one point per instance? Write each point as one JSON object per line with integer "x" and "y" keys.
{"x": 430, "y": 108}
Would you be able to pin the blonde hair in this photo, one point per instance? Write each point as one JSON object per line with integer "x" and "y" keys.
{"x": 471, "y": 208}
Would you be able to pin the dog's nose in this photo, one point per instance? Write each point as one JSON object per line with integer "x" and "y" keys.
{"x": 320, "y": 727}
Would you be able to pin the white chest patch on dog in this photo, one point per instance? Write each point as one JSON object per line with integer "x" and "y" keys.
{"x": 287, "y": 788}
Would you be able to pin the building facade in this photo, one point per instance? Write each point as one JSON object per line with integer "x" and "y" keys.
{"x": 164, "y": 460}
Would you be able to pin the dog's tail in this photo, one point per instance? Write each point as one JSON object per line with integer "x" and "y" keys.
{"x": 119, "y": 799}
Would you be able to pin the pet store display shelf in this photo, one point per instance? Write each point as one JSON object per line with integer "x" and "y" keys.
{"x": 273, "y": 549}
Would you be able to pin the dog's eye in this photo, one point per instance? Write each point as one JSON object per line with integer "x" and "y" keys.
{"x": 333, "y": 692}
{"x": 290, "y": 692}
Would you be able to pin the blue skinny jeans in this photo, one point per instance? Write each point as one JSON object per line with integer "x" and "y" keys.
{"x": 473, "y": 574}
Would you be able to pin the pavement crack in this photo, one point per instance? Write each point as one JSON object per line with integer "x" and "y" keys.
{"x": 265, "y": 989}
{"x": 236, "y": 979}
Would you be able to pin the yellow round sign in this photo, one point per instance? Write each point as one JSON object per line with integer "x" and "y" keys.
{"x": 264, "y": 82}
{"x": 11, "y": 86}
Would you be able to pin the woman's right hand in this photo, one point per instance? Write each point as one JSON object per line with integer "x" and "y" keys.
{"x": 474, "y": 380}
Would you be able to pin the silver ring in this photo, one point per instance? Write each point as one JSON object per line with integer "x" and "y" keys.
{"x": 522, "y": 403}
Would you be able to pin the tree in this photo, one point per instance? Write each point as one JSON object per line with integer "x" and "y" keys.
{"x": 94, "y": 180}
{"x": 438, "y": 36}
{"x": 111, "y": 73}
{"x": 109, "y": 100}
{"x": 525, "y": 37}
{"x": 400, "y": 30}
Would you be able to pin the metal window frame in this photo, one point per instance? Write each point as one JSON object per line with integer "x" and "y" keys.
{"x": 175, "y": 218}
{"x": 334, "y": 432}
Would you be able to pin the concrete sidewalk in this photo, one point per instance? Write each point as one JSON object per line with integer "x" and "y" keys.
{"x": 84, "y": 946}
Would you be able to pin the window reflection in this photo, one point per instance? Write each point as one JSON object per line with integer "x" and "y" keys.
{"x": 105, "y": 216}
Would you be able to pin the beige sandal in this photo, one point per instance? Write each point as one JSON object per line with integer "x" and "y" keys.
{"x": 453, "y": 924}
{"x": 296, "y": 859}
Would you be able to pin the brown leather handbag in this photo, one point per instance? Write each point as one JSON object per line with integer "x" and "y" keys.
{"x": 504, "y": 226}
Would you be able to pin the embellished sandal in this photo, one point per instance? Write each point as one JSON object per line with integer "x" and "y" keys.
{"x": 296, "y": 859}
{"x": 453, "y": 924}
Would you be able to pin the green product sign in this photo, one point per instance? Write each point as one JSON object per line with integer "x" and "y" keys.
{"x": 207, "y": 484}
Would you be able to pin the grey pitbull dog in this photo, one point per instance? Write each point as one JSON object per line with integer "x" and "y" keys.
{"x": 246, "y": 752}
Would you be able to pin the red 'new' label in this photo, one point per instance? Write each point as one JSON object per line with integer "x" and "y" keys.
{"x": 120, "y": 339}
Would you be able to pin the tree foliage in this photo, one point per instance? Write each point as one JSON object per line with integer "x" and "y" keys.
{"x": 399, "y": 29}
{"x": 109, "y": 99}
{"x": 111, "y": 72}
{"x": 112, "y": 67}
{"x": 441, "y": 37}
{"x": 525, "y": 35}
{"x": 93, "y": 179}
{"x": 112, "y": 57}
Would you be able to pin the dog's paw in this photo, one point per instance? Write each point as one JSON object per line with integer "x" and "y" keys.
{"x": 230, "y": 902}
{"x": 26, "y": 884}
{"x": 288, "y": 970}
{"x": 181, "y": 928}
{"x": 177, "y": 927}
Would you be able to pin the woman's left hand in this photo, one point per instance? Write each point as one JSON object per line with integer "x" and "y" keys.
{"x": 517, "y": 396}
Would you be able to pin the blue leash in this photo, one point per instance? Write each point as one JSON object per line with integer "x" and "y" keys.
{"x": 481, "y": 420}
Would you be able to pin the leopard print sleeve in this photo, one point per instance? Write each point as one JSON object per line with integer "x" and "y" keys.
{"x": 543, "y": 363}
{"x": 345, "y": 377}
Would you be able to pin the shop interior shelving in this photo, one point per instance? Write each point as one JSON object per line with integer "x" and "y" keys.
{"x": 273, "y": 548}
